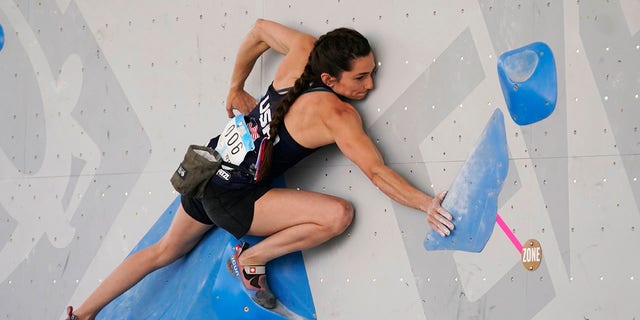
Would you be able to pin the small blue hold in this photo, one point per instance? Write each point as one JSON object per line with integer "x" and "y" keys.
{"x": 1, "y": 38}
{"x": 529, "y": 82}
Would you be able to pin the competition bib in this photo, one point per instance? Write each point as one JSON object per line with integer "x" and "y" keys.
{"x": 235, "y": 141}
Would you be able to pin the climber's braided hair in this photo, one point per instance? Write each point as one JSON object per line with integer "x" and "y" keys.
{"x": 333, "y": 53}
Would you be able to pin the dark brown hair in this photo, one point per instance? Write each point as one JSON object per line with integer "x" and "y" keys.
{"x": 333, "y": 53}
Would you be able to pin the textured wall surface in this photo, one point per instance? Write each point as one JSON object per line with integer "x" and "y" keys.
{"x": 99, "y": 100}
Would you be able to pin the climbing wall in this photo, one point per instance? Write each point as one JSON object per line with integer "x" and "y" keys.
{"x": 99, "y": 100}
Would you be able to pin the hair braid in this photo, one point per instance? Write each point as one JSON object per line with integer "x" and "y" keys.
{"x": 277, "y": 119}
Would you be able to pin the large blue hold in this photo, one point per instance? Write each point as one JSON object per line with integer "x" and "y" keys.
{"x": 199, "y": 285}
{"x": 473, "y": 196}
{"x": 529, "y": 82}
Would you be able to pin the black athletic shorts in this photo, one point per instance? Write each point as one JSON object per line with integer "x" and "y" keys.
{"x": 230, "y": 209}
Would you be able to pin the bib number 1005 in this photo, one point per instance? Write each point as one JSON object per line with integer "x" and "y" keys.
{"x": 235, "y": 141}
{"x": 232, "y": 138}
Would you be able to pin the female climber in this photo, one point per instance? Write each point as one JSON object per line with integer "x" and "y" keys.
{"x": 304, "y": 108}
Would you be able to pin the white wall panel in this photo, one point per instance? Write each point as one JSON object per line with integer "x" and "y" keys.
{"x": 100, "y": 99}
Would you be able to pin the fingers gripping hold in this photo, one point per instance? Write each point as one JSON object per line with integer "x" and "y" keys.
{"x": 438, "y": 218}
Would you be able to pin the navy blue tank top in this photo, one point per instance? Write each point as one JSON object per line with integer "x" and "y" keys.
{"x": 286, "y": 151}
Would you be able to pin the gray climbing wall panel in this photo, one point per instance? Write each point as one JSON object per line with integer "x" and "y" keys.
{"x": 99, "y": 100}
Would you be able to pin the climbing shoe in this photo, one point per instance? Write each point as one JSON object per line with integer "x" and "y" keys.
{"x": 70, "y": 315}
{"x": 254, "y": 279}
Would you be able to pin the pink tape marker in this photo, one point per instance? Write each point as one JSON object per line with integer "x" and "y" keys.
{"x": 509, "y": 234}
